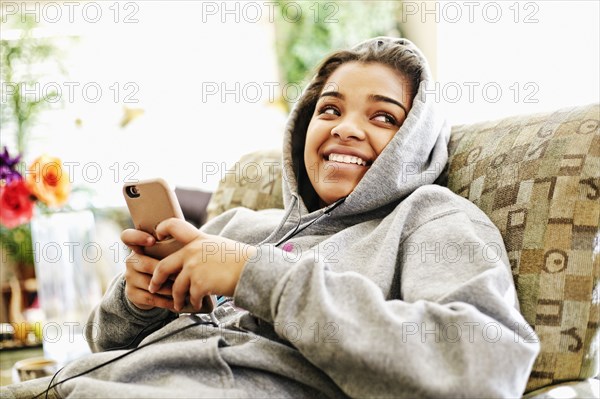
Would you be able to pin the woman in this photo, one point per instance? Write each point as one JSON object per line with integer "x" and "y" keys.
{"x": 373, "y": 282}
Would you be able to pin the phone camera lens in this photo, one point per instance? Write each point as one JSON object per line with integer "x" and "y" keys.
{"x": 132, "y": 191}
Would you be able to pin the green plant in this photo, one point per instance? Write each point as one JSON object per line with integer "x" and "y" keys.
{"x": 21, "y": 56}
{"x": 305, "y": 37}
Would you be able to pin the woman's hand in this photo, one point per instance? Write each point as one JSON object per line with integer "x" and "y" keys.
{"x": 207, "y": 265}
{"x": 139, "y": 270}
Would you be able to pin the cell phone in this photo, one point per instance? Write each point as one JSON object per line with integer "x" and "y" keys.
{"x": 149, "y": 203}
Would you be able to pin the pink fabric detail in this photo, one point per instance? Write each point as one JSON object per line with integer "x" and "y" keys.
{"x": 288, "y": 247}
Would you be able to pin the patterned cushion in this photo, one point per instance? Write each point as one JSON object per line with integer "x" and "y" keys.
{"x": 256, "y": 184}
{"x": 538, "y": 179}
{"x": 589, "y": 388}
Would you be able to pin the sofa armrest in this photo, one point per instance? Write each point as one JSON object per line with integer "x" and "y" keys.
{"x": 589, "y": 388}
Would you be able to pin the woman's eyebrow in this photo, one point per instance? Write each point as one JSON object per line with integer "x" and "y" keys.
{"x": 335, "y": 94}
{"x": 372, "y": 97}
{"x": 378, "y": 97}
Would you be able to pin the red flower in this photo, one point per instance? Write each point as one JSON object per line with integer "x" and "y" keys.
{"x": 16, "y": 204}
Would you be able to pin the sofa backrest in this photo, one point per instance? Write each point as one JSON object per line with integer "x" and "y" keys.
{"x": 538, "y": 179}
{"x": 256, "y": 184}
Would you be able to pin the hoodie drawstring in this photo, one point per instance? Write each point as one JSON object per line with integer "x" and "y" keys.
{"x": 295, "y": 201}
{"x": 297, "y": 230}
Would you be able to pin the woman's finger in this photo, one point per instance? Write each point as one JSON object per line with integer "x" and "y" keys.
{"x": 139, "y": 270}
{"x": 136, "y": 237}
{"x": 169, "y": 266}
{"x": 136, "y": 240}
{"x": 142, "y": 280}
{"x": 179, "y": 229}
{"x": 145, "y": 300}
{"x": 180, "y": 290}
{"x": 197, "y": 294}
{"x": 141, "y": 262}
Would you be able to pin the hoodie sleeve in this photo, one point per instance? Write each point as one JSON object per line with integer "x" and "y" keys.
{"x": 116, "y": 323}
{"x": 455, "y": 332}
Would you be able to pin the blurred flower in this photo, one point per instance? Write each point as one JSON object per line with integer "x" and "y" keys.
{"x": 16, "y": 204}
{"x": 48, "y": 181}
{"x": 8, "y": 171}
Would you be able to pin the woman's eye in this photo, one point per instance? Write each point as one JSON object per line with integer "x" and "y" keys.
{"x": 329, "y": 110}
{"x": 386, "y": 118}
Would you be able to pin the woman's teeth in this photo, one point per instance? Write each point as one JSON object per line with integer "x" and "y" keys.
{"x": 347, "y": 159}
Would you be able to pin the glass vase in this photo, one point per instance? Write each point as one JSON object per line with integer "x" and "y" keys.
{"x": 65, "y": 257}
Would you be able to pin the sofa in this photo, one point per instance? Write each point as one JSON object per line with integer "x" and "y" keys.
{"x": 538, "y": 179}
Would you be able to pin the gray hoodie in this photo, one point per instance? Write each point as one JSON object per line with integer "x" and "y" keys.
{"x": 403, "y": 289}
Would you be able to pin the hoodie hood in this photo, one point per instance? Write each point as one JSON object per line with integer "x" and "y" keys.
{"x": 416, "y": 155}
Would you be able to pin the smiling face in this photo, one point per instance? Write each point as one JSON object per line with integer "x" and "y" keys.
{"x": 360, "y": 108}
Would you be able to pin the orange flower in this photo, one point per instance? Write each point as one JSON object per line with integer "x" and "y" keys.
{"x": 48, "y": 181}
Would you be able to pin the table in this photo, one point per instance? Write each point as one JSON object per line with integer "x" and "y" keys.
{"x": 8, "y": 357}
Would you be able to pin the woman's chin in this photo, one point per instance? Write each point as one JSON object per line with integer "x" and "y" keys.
{"x": 332, "y": 196}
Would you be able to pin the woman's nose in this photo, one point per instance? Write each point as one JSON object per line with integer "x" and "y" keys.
{"x": 347, "y": 129}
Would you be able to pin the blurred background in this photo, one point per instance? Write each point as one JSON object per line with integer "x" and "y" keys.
{"x": 182, "y": 89}
{"x": 127, "y": 90}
